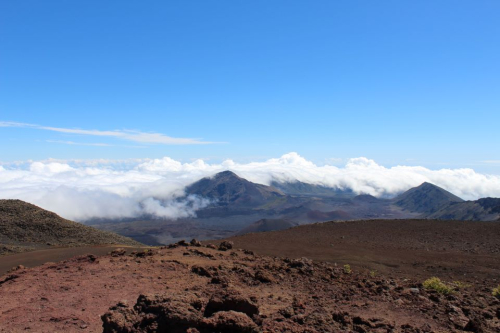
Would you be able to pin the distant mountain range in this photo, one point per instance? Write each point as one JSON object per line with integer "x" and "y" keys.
{"x": 434, "y": 202}
{"x": 239, "y": 206}
{"x": 25, "y": 227}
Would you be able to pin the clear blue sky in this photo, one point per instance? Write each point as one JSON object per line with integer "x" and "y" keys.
{"x": 401, "y": 82}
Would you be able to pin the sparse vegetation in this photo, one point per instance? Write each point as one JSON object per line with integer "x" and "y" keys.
{"x": 496, "y": 291}
{"x": 461, "y": 285}
{"x": 347, "y": 269}
{"x": 437, "y": 285}
{"x": 373, "y": 273}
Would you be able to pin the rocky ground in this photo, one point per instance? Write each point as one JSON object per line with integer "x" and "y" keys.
{"x": 195, "y": 288}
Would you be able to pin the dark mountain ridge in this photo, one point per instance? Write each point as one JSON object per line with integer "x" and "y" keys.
{"x": 485, "y": 209}
{"x": 24, "y": 227}
{"x": 226, "y": 188}
{"x": 426, "y": 199}
{"x": 298, "y": 188}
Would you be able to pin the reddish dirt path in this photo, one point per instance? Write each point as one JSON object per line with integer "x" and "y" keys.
{"x": 40, "y": 257}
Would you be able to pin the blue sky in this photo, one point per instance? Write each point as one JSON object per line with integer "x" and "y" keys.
{"x": 400, "y": 82}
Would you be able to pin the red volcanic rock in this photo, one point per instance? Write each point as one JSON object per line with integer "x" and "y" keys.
{"x": 226, "y": 245}
{"x": 118, "y": 252}
{"x": 155, "y": 313}
{"x": 195, "y": 242}
{"x": 230, "y": 321}
{"x": 263, "y": 276}
{"x": 228, "y": 301}
{"x": 180, "y": 313}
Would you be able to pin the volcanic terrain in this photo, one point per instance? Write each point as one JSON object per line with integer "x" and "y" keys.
{"x": 26, "y": 227}
{"x": 294, "y": 280}
{"x": 238, "y": 206}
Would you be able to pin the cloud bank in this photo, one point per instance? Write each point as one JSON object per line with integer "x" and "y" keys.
{"x": 83, "y": 190}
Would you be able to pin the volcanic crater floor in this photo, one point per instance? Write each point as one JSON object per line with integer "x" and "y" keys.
{"x": 195, "y": 288}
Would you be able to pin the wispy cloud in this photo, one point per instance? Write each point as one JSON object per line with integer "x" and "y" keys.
{"x": 130, "y": 135}
{"x": 491, "y": 162}
{"x": 97, "y": 144}
{"x": 80, "y": 143}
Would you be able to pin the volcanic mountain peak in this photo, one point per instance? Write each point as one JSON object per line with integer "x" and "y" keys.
{"x": 426, "y": 198}
{"x": 228, "y": 188}
{"x": 226, "y": 175}
{"x": 365, "y": 198}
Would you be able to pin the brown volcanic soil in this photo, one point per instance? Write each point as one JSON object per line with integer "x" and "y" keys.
{"x": 467, "y": 251}
{"x": 40, "y": 257}
{"x": 26, "y": 227}
{"x": 208, "y": 290}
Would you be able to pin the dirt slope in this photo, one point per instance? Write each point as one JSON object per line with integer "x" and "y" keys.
{"x": 25, "y": 227}
{"x": 267, "y": 225}
{"x": 209, "y": 289}
{"x": 422, "y": 248}
{"x": 195, "y": 289}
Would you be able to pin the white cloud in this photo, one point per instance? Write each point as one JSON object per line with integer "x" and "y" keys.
{"x": 130, "y": 135}
{"x": 72, "y": 143}
{"x": 49, "y": 168}
{"x": 174, "y": 208}
{"x": 114, "y": 189}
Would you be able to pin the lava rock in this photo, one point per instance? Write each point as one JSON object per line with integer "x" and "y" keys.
{"x": 225, "y": 245}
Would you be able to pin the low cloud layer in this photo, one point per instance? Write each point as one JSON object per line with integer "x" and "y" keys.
{"x": 85, "y": 190}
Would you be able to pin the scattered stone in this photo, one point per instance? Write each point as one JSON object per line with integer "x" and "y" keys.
{"x": 230, "y": 321}
{"x": 223, "y": 281}
{"x": 201, "y": 271}
{"x": 263, "y": 276}
{"x": 457, "y": 317}
{"x": 86, "y": 258}
{"x": 118, "y": 252}
{"x": 155, "y": 313}
{"x": 16, "y": 268}
{"x": 475, "y": 325}
{"x": 231, "y": 301}
{"x": 414, "y": 290}
{"x": 225, "y": 245}
{"x": 195, "y": 242}
{"x": 202, "y": 254}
